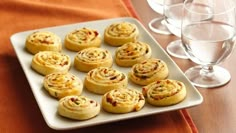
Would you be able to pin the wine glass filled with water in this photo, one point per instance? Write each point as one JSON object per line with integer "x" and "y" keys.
{"x": 208, "y": 37}
{"x": 157, "y": 25}
{"x": 173, "y": 12}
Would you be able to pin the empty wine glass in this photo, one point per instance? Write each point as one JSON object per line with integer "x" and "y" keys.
{"x": 157, "y": 25}
{"x": 173, "y": 12}
{"x": 208, "y": 37}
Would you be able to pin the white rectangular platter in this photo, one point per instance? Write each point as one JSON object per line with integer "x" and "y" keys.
{"x": 48, "y": 105}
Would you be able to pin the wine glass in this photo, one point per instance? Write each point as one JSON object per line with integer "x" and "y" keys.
{"x": 173, "y": 12}
{"x": 208, "y": 37}
{"x": 157, "y": 25}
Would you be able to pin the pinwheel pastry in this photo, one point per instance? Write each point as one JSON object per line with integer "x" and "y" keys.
{"x": 148, "y": 71}
{"x": 123, "y": 101}
{"x": 60, "y": 84}
{"x": 132, "y": 53}
{"x": 78, "y": 107}
{"x": 118, "y": 34}
{"x": 164, "y": 92}
{"x": 47, "y": 62}
{"x": 43, "y": 41}
{"x": 90, "y": 58}
{"x": 103, "y": 79}
{"x": 82, "y": 38}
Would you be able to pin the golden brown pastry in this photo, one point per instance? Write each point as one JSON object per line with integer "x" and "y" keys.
{"x": 43, "y": 41}
{"x": 78, "y": 107}
{"x": 103, "y": 79}
{"x": 120, "y": 33}
{"x": 82, "y": 38}
{"x": 90, "y": 58}
{"x": 164, "y": 92}
{"x": 60, "y": 84}
{"x": 47, "y": 62}
{"x": 132, "y": 53}
{"x": 148, "y": 71}
{"x": 123, "y": 101}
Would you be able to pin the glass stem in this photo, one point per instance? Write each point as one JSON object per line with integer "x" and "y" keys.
{"x": 207, "y": 71}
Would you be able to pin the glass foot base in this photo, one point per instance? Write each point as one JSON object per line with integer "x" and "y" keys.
{"x": 175, "y": 49}
{"x": 157, "y": 25}
{"x": 219, "y": 77}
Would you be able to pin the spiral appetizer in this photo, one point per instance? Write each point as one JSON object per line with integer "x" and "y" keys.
{"x": 43, "y": 41}
{"x": 132, "y": 53}
{"x": 103, "y": 79}
{"x": 78, "y": 107}
{"x": 164, "y": 92}
{"x": 90, "y": 58}
{"x": 47, "y": 62}
{"x": 148, "y": 71}
{"x": 118, "y": 34}
{"x": 82, "y": 38}
{"x": 123, "y": 101}
{"x": 60, "y": 84}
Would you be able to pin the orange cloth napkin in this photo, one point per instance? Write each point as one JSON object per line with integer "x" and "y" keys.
{"x": 18, "y": 109}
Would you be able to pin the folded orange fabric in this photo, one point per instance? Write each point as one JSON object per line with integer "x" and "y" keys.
{"x": 21, "y": 15}
{"x": 18, "y": 109}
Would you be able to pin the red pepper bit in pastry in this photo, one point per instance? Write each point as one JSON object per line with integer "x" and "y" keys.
{"x": 136, "y": 107}
{"x": 140, "y": 97}
{"x": 50, "y": 84}
{"x": 72, "y": 99}
{"x": 96, "y": 33}
{"x": 144, "y": 62}
{"x": 156, "y": 66}
{"x": 112, "y": 78}
{"x": 91, "y": 73}
{"x": 143, "y": 77}
{"x": 179, "y": 84}
{"x": 109, "y": 99}
{"x": 144, "y": 91}
{"x": 114, "y": 103}
{"x": 168, "y": 81}
{"x": 105, "y": 71}
{"x": 64, "y": 63}
{"x": 73, "y": 77}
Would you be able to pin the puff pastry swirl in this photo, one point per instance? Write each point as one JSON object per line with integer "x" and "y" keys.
{"x": 90, "y": 58}
{"x": 132, "y": 53}
{"x": 123, "y": 101}
{"x": 82, "y": 38}
{"x": 103, "y": 79}
{"x": 43, "y": 41}
{"x": 47, "y": 62}
{"x": 164, "y": 92}
{"x": 78, "y": 107}
{"x": 60, "y": 84}
{"x": 148, "y": 71}
{"x": 120, "y": 33}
